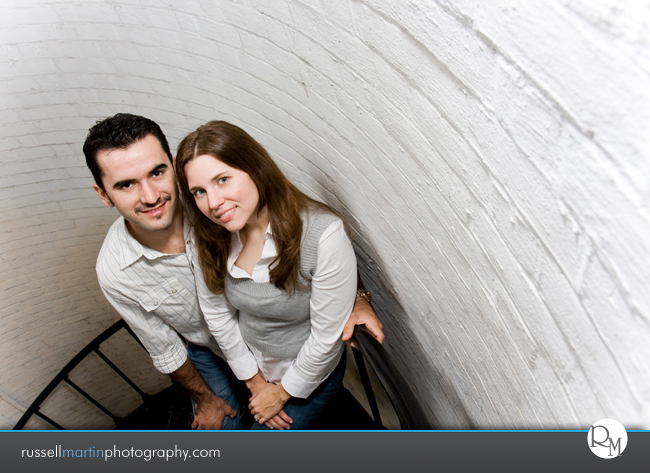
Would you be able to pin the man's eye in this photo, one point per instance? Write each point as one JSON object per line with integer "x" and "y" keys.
{"x": 157, "y": 173}
{"x": 126, "y": 186}
{"x": 223, "y": 180}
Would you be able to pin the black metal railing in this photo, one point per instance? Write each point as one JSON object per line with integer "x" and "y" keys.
{"x": 408, "y": 409}
{"x": 405, "y": 404}
{"x": 62, "y": 376}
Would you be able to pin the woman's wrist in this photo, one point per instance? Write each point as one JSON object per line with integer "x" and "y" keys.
{"x": 283, "y": 395}
{"x": 256, "y": 383}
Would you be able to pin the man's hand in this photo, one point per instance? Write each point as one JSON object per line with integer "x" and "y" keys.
{"x": 362, "y": 314}
{"x": 268, "y": 403}
{"x": 210, "y": 413}
{"x": 209, "y": 409}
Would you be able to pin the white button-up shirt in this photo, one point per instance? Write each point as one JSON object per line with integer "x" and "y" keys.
{"x": 155, "y": 294}
{"x": 333, "y": 289}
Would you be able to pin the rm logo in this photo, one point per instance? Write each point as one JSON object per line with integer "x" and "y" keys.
{"x": 607, "y": 438}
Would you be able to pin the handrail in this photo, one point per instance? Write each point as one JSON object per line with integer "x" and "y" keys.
{"x": 408, "y": 409}
{"x": 63, "y": 376}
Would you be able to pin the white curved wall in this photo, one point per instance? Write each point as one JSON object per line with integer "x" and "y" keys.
{"x": 492, "y": 156}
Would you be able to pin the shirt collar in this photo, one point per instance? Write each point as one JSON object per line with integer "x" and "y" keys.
{"x": 236, "y": 246}
{"x": 132, "y": 250}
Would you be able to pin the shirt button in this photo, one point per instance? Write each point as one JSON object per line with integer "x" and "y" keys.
{"x": 173, "y": 291}
{"x": 188, "y": 242}
{"x": 155, "y": 302}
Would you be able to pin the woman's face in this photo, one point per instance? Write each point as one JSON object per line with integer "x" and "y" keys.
{"x": 225, "y": 195}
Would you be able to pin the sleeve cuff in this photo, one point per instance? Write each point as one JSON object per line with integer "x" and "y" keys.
{"x": 172, "y": 360}
{"x": 245, "y": 367}
{"x": 296, "y": 386}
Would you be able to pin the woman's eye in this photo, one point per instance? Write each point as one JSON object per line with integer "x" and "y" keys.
{"x": 222, "y": 180}
{"x": 199, "y": 193}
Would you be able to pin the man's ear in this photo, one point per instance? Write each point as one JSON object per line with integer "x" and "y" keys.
{"x": 103, "y": 195}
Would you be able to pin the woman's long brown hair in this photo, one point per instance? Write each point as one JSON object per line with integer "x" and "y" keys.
{"x": 285, "y": 203}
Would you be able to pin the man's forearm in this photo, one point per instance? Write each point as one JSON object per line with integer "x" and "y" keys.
{"x": 209, "y": 409}
{"x": 189, "y": 379}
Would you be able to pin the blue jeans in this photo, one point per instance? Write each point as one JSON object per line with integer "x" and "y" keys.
{"x": 217, "y": 374}
{"x": 305, "y": 411}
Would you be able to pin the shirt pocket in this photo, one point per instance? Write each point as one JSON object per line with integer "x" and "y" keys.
{"x": 168, "y": 291}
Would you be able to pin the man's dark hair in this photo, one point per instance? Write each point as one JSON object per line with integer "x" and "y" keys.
{"x": 119, "y": 132}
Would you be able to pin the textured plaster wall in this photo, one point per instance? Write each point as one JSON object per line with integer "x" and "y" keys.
{"x": 491, "y": 156}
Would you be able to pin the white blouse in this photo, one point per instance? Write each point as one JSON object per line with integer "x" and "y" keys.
{"x": 333, "y": 291}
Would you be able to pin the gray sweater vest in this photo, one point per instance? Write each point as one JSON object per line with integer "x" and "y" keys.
{"x": 275, "y": 323}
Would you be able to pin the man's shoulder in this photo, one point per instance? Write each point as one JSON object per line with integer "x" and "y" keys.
{"x": 112, "y": 241}
{"x": 111, "y": 254}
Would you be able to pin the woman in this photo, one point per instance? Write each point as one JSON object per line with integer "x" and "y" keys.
{"x": 276, "y": 274}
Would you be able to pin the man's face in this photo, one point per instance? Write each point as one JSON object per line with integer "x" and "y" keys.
{"x": 139, "y": 182}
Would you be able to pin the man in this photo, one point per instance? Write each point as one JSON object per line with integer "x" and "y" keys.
{"x": 145, "y": 271}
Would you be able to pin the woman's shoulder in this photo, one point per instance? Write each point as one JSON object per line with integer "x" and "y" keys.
{"x": 324, "y": 232}
{"x": 316, "y": 220}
